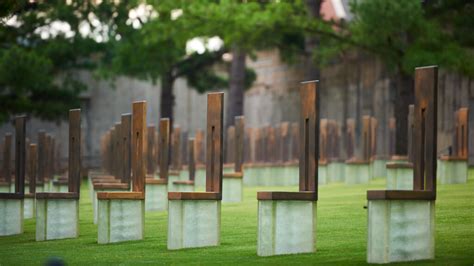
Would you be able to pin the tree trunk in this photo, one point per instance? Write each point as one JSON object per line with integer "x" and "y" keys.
{"x": 312, "y": 42}
{"x": 167, "y": 97}
{"x": 235, "y": 105}
{"x": 405, "y": 97}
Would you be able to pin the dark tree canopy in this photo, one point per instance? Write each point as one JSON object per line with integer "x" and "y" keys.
{"x": 42, "y": 46}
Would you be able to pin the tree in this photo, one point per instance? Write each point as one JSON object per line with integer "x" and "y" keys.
{"x": 247, "y": 27}
{"x": 42, "y": 46}
{"x": 312, "y": 41}
{"x": 153, "y": 47}
{"x": 405, "y": 34}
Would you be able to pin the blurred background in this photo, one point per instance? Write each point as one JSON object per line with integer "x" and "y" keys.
{"x": 102, "y": 55}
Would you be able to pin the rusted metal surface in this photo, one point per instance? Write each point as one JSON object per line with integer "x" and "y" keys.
{"x": 392, "y": 123}
{"x": 373, "y": 138}
{"x": 285, "y": 141}
{"x": 323, "y": 140}
{"x": 333, "y": 142}
{"x": 214, "y": 142}
{"x": 126, "y": 160}
{"x": 282, "y": 195}
{"x": 462, "y": 133}
{"x": 191, "y": 160}
{"x": 350, "y": 138}
{"x": 20, "y": 154}
{"x": 164, "y": 147}
{"x": 176, "y": 149}
{"x": 121, "y": 195}
{"x": 194, "y": 196}
{"x": 309, "y": 137}
{"x": 239, "y": 143}
{"x": 366, "y": 137}
{"x": 151, "y": 150}
{"x": 138, "y": 146}
{"x": 7, "y": 158}
{"x": 411, "y": 127}
{"x": 199, "y": 147}
{"x": 425, "y": 128}
{"x": 41, "y": 156}
{"x": 230, "y": 152}
{"x": 74, "y": 166}
{"x": 32, "y": 167}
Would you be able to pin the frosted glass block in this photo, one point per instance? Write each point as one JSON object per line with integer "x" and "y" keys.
{"x": 400, "y": 230}
{"x": 379, "y": 168}
{"x": 452, "y": 172}
{"x": 232, "y": 189}
{"x": 57, "y": 219}
{"x": 322, "y": 174}
{"x": 357, "y": 173}
{"x": 336, "y": 172}
{"x": 11, "y": 217}
{"x": 399, "y": 178}
{"x": 286, "y": 227}
{"x": 28, "y": 208}
{"x": 120, "y": 220}
{"x": 193, "y": 223}
{"x": 156, "y": 197}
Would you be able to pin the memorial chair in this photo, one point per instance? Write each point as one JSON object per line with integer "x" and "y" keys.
{"x": 323, "y": 152}
{"x": 188, "y": 185}
{"x": 359, "y": 170}
{"x": 400, "y": 168}
{"x": 57, "y": 213}
{"x": 118, "y": 156}
{"x": 6, "y": 171}
{"x": 233, "y": 185}
{"x": 401, "y": 223}
{"x": 287, "y": 220}
{"x": 453, "y": 168}
{"x": 29, "y": 206}
{"x": 11, "y": 204}
{"x": 335, "y": 168}
{"x": 156, "y": 198}
{"x": 175, "y": 172}
{"x": 194, "y": 218}
{"x": 121, "y": 215}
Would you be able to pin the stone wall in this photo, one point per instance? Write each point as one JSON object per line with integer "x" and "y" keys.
{"x": 350, "y": 89}
{"x": 358, "y": 86}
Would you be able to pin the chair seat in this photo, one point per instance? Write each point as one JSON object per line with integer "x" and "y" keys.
{"x": 284, "y": 195}
{"x": 57, "y": 195}
{"x": 121, "y": 195}
{"x": 400, "y": 195}
{"x": 113, "y": 185}
{"x": 452, "y": 158}
{"x": 357, "y": 161}
{"x": 237, "y": 175}
{"x": 396, "y": 165}
{"x": 153, "y": 181}
{"x": 194, "y": 196}
{"x": 11, "y": 196}
{"x": 184, "y": 182}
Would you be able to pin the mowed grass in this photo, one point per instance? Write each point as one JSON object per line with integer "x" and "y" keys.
{"x": 341, "y": 234}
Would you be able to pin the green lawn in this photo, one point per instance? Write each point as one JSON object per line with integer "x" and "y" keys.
{"x": 341, "y": 234}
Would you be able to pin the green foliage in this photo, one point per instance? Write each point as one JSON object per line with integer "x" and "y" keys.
{"x": 250, "y": 25}
{"x": 27, "y": 86}
{"x": 405, "y": 34}
{"x": 38, "y": 60}
{"x": 199, "y": 74}
{"x": 158, "y": 47}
